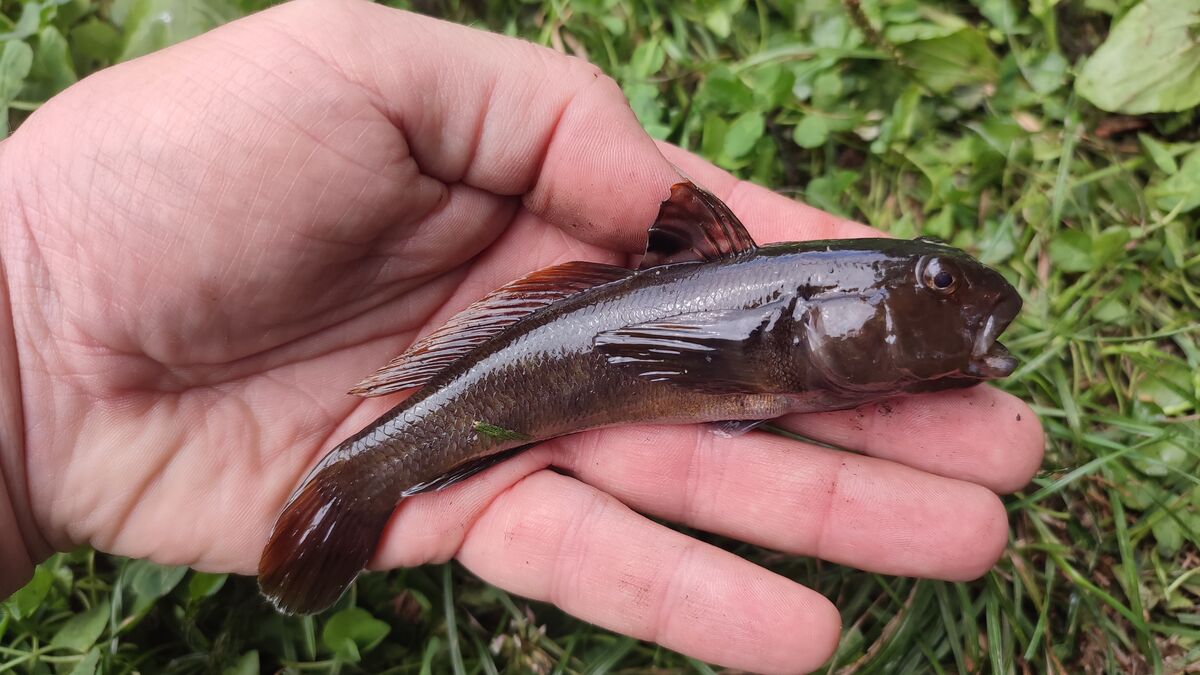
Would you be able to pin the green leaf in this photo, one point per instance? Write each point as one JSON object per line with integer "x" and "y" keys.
{"x": 69, "y": 12}
{"x": 154, "y": 24}
{"x": 1182, "y": 189}
{"x": 203, "y": 585}
{"x": 353, "y": 631}
{"x": 772, "y": 85}
{"x": 1137, "y": 494}
{"x": 499, "y": 433}
{"x": 725, "y": 91}
{"x": 713, "y": 136}
{"x": 1177, "y": 243}
{"x": 613, "y": 24}
{"x": 1150, "y": 62}
{"x": 432, "y": 647}
{"x": 959, "y": 59}
{"x": 1001, "y": 13}
{"x": 81, "y": 631}
{"x": 15, "y": 63}
{"x": 1161, "y": 457}
{"x": 1112, "y": 309}
{"x": 906, "y": 113}
{"x": 998, "y": 242}
{"x": 743, "y": 133}
{"x": 832, "y": 30}
{"x": 764, "y": 165}
{"x": 827, "y": 90}
{"x": 94, "y": 44}
{"x": 26, "y": 601}
{"x": 719, "y": 22}
{"x": 1000, "y": 134}
{"x": 1166, "y": 387}
{"x": 1109, "y": 244}
{"x": 811, "y": 132}
{"x": 648, "y": 58}
{"x": 52, "y": 69}
{"x": 88, "y": 664}
{"x": 247, "y": 664}
{"x": 827, "y": 192}
{"x": 1075, "y": 251}
{"x": 1168, "y": 536}
{"x": 1162, "y": 157}
{"x": 149, "y": 581}
{"x": 1047, "y": 74}
{"x": 27, "y": 25}
{"x": 923, "y": 30}
{"x": 941, "y": 225}
{"x": 1071, "y": 251}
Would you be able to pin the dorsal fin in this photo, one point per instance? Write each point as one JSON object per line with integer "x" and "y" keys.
{"x": 693, "y": 225}
{"x": 481, "y": 321}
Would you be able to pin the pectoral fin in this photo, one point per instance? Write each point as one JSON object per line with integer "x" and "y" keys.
{"x": 733, "y": 428}
{"x": 722, "y": 352}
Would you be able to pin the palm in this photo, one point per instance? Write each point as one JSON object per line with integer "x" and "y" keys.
{"x": 255, "y": 295}
{"x": 204, "y": 264}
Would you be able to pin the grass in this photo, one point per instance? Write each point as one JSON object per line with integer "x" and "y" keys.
{"x": 972, "y": 121}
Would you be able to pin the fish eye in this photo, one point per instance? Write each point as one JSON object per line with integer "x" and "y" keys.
{"x": 939, "y": 276}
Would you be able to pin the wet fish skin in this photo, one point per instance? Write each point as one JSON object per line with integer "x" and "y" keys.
{"x": 712, "y": 328}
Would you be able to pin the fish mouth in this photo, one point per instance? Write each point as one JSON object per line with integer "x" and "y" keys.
{"x": 994, "y": 363}
{"x": 989, "y": 358}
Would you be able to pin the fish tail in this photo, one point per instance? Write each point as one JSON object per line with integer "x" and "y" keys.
{"x": 325, "y": 536}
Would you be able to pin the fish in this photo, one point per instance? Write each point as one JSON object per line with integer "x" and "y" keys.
{"x": 711, "y": 328}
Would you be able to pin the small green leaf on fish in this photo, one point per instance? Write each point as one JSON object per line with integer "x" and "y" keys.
{"x": 499, "y": 433}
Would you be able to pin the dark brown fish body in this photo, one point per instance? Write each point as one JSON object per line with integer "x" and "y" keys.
{"x": 749, "y": 334}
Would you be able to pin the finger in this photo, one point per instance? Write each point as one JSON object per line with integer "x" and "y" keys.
{"x": 552, "y": 538}
{"x": 768, "y": 216}
{"x": 431, "y": 527}
{"x": 497, "y": 113}
{"x": 798, "y": 498}
{"x": 981, "y": 434}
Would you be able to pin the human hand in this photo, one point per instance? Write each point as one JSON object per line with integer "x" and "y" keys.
{"x": 204, "y": 248}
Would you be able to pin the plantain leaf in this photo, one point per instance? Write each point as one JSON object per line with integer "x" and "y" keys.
{"x": 961, "y": 58}
{"x": 1150, "y": 62}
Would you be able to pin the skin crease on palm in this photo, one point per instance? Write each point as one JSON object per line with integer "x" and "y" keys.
{"x": 203, "y": 249}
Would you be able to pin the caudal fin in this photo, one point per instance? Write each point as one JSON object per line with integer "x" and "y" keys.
{"x": 322, "y": 540}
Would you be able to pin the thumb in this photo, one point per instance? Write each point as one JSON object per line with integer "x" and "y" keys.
{"x": 499, "y": 114}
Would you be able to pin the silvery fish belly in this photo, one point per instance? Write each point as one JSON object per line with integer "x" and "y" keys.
{"x": 711, "y": 328}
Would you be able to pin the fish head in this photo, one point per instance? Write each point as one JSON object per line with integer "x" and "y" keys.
{"x": 929, "y": 321}
{"x": 946, "y": 311}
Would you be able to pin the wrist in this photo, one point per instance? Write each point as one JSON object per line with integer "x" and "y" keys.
{"x": 16, "y": 559}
